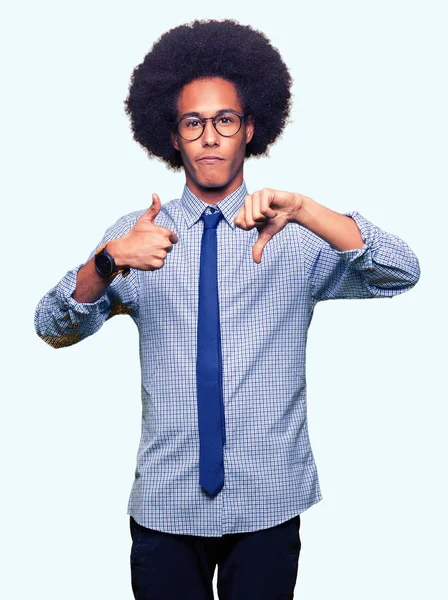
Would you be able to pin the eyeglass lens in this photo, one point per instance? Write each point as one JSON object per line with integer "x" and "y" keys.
{"x": 226, "y": 124}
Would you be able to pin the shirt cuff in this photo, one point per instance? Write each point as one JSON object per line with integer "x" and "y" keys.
{"x": 67, "y": 286}
{"x": 360, "y": 258}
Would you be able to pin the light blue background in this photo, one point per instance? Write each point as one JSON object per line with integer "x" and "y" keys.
{"x": 369, "y": 132}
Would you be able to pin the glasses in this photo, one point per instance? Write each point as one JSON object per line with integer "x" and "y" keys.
{"x": 226, "y": 123}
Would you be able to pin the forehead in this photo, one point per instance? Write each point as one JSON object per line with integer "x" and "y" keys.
{"x": 207, "y": 96}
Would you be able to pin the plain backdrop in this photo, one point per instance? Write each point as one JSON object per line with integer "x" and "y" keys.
{"x": 368, "y": 133}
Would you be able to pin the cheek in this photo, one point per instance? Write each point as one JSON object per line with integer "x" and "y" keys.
{"x": 239, "y": 151}
{"x": 185, "y": 156}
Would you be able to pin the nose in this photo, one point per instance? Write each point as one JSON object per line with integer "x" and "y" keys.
{"x": 210, "y": 137}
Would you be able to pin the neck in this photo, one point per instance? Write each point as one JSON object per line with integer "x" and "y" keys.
{"x": 213, "y": 195}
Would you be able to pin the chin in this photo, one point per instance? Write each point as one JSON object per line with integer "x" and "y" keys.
{"x": 213, "y": 183}
{"x": 216, "y": 185}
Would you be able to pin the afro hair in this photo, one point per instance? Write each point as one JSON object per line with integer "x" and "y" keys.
{"x": 208, "y": 48}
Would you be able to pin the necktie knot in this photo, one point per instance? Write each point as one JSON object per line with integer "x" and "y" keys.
{"x": 211, "y": 221}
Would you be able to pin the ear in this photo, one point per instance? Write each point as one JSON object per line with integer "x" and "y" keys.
{"x": 174, "y": 140}
{"x": 250, "y": 128}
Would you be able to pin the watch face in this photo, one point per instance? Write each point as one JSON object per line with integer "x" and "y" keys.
{"x": 103, "y": 264}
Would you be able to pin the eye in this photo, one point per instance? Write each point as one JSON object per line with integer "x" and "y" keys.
{"x": 192, "y": 123}
{"x": 226, "y": 119}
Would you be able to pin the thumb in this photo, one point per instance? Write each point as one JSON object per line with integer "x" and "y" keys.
{"x": 154, "y": 209}
{"x": 257, "y": 250}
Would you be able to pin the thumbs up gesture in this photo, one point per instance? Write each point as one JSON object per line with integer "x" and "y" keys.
{"x": 146, "y": 245}
{"x": 269, "y": 211}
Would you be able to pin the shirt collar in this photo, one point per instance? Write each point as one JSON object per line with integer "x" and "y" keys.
{"x": 193, "y": 207}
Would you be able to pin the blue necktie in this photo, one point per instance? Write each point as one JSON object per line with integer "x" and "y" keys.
{"x": 209, "y": 364}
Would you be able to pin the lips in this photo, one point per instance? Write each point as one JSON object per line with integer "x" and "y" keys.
{"x": 210, "y": 159}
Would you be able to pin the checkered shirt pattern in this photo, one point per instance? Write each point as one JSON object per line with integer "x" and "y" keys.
{"x": 265, "y": 313}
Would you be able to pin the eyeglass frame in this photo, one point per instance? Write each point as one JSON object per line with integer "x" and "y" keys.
{"x": 212, "y": 119}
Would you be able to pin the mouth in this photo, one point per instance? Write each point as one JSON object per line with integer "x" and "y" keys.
{"x": 210, "y": 159}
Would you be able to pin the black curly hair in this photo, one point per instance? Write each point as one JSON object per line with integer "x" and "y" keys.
{"x": 208, "y": 48}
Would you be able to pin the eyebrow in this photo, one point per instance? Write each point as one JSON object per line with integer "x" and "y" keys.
{"x": 196, "y": 114}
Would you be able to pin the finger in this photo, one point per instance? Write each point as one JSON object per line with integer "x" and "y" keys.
{"x": 248, "y": 211}
{"x": 240, "y": 220}
{"x": 167, "y": 233}
{"x": 257, "y": 249}
{"x": 256, "y": 211}
{"x": 154, "y": 209}
{"x": 265, "y": 201}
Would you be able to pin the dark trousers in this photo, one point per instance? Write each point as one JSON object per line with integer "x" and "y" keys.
{"x": 258, "y": 565}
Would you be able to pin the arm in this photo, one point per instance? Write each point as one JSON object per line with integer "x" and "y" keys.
{"x": 344, "y": 256}
{"x": 347, "y": 256}
{"x": 90, "y": 285}
{"x": 340, "y": 231}
{"x": 144, "y": 247}
{"x": 82, "y": 301}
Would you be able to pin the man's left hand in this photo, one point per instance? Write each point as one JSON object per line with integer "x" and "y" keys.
{"x": 269, "y": 211}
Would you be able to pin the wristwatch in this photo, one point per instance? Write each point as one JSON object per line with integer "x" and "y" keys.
{"x": 105, "y": 264}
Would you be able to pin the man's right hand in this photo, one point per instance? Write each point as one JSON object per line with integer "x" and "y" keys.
{"x": 146, "y": 245}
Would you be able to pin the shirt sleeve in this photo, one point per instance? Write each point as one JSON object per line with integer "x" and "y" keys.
{"x": 384, "y": 267}
{"x": 62, "y": 321}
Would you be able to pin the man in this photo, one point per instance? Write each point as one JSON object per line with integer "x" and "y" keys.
{"x": 222, "y": 285}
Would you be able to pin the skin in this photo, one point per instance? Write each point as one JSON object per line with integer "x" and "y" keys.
{"x": 268, "y": 210}
{"x": 146, "y": 245}
{"x": 212, "y": 182}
